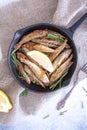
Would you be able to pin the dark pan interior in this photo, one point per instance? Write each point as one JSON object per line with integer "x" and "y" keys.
{"x": 17, "y": 37}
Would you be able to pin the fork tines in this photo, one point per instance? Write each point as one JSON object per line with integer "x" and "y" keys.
{"x": 84, "y": 68}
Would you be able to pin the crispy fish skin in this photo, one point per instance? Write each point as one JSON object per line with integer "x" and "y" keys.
{"x": 30, "y": 36}
{"x": 60, "y": 70}
{"x": 61, "y": 58}
{"x": 67, "y": 46}
{"x": 57, "y": 51}
{"x": 46, "y": 42}
{"x": 25, "y": 50}
{"x": 28, "y": 45}
{"x": 23, "y": 73}
{"x": 39, "y": 73}
{"x": 43, "y": 48}
{"x": 33, "y": 78}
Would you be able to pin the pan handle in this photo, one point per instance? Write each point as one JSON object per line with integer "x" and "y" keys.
{"x": 76, "y": 25}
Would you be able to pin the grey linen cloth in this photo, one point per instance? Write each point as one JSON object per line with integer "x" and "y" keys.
{"x": 23, "y": 13}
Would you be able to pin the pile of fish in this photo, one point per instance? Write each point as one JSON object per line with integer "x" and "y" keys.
{"x": 42, "y": 57}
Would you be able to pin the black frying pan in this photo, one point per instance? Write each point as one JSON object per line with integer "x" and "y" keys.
{"x": 68, "y": 33}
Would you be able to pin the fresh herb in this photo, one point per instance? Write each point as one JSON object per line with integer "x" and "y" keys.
{"x": 35, "y": 81}
{"x": 79, "y": 50}
{"x": 47, "y": 74}
{"x": 23, "y": 76}
{"x": 54, "y": 85}
{"x": 45, "y": 116}
{"x": 24, "y": 93}
{"x": 20, "y": 76}
{"x": 55, "y": 37}
{"x": 1, "y": 78}
{"x": 84, "y": 90}
{"x": 82, "y": 106}
{"x": 14, "y": 60}
{"x": 62, "y": 113}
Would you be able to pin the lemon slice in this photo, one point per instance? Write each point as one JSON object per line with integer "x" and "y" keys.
{"x": 5, "y": 104}
{"x": 41, "y": 59}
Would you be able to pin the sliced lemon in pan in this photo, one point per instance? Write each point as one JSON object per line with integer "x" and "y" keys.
{"x": 5, "y": 103}
{"x": 41, "y": 59}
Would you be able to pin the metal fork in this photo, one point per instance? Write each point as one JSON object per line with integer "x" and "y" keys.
{"x": 81, "y": 75}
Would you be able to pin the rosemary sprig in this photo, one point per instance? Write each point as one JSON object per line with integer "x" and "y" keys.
{"x": 79, "y": 50}
{"x": 54, "y": 85}
{"x": 82, "y": 106}
{"x": 24, "y": 92}
{"x": 62, "y": 113}
{"x": 20, "y": 76}
{"x": 45, "y": 116}
{"x": 35, "y": 81}
{"x": 47, "y": 74}
{"x": 1, "y": 78}
{"x": 55, "y": 37}
{"x": 84, "y": 90}
{"x": 14, "y": 60}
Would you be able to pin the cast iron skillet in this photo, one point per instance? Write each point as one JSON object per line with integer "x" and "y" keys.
{"x": 68, "y": 33}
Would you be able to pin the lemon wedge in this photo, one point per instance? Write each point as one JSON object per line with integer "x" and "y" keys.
{"x": 41, "y": 59}
{"x": 5, "y": 103}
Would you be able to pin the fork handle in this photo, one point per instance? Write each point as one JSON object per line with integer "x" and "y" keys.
{"x": 61, "y": 104}
{"x": 80, "y": 75}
